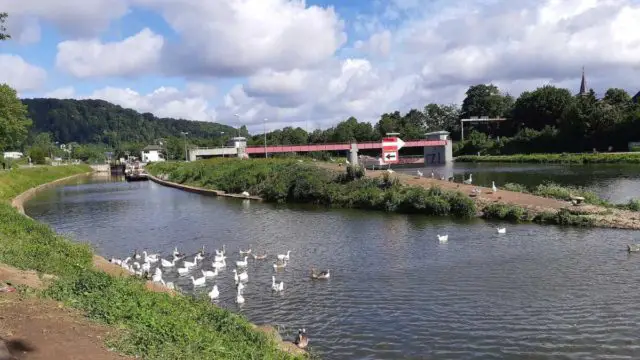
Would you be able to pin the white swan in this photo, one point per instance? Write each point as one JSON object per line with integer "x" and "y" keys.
{"x": 157, "y": 278}
{"x": 419, "y": 173}
{"x": 199, "y": 281}
{"x": 209, "y": 273}
{"x": 493, "y": 186}
{"x": 189, "y": 264}
{"x": 219, "y": 258}
{"x": 152, "y": 258}
{"x": 183, "y": 271}
{"x": 239, "y": 298}
{"x": 245, "y": 252}
{"x": 279, "y": 265}
{"x": 176, "y": 253}
{"x": 276, "y": 286}
{"x": 502, "y": 230}
{"x": 243, "y": 276}
{"x": 167, "y": 263}
{"x": 219, "y": 264}
{"x": 214, "y": 293}
{"x": 469, "y": 180}
{"x": 221, "y": 252}
{"x": 283, "y": 257}
{"x": 443, "y": 238}
{"x": 146, "y": 266}
{"x": 242, "y": 263}
{"x": 240, "y": 287}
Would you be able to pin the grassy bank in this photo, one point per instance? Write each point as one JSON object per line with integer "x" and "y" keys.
{"x": 586, "y": 158}
{"x": 515, "y": 213}
{"x": 153, "y": 325}
{"x": 292, "y": 181}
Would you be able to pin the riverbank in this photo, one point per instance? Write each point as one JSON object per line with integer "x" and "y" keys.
{"x": 585, "y": 158}
{"x": 138, "y": 322}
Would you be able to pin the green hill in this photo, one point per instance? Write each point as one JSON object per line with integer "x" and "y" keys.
{"x": 99, "y": 121}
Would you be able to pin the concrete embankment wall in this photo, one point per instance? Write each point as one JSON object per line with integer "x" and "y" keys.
{"x": 201, "y": 191}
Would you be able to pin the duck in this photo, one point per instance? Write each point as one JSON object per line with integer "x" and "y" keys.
{"x": 502, "y": 230}
{"x": 276, "y": 286}
{"x": 245, "y": 252}
{"x": 167, "y": 263}
{"x": 242, "y": 263}
{"x": 243, "y": 276}
{"x": 214, "y": 293}
{"x": 324, "y": 274}
{"x": 199, "y": 281}
{"x": 301, "y": 340}
{"x": 443, "y": 238}
{"x": 283, "y": 257}
{"x": 259, "y": 257}
{"x": 279, "y": 265}
{"x": 469, "y": 180}
{"x": 189, "y": 264}
{"x": 152, "y": 258}
{"x": 493, "y": 187}
{"x": 209, "y": 273}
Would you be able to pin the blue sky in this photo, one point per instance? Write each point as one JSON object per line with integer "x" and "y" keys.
{"x": 293, "y": 62}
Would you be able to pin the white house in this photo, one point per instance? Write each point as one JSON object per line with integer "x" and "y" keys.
{"x": 12, "y": 155}
{"x": 152, "y": 153}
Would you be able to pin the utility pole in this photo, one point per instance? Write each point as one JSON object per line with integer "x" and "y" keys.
{"x": 186, "y": 155}
{"x": 238, "y": 120}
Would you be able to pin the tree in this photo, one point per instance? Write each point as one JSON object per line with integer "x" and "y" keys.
{"x": 3, "y": 29}
{"x": 14, "y": 123}
{"x": 486, "y": 100}
{"x": 442, "y": 117}
{"x": 615, "y": 96}
{"x": 541, "y": 107}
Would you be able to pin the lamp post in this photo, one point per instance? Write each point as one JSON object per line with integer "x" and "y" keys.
{"x": 238, "y": 120}
{"x": 265, "y": 138}
{"x": 186, "y": 156}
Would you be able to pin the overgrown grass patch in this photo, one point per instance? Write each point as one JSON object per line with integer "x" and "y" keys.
{"x": 282, "y": 180}
{"x": 515, "y": 213}
{"x": 16, "y": 181}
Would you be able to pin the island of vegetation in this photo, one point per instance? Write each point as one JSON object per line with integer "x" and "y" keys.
{"x": 142, "y": 323}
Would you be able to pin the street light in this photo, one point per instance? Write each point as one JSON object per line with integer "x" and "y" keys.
{"x": 186, "y": 158}
{"x": 238, "y": 120}
{"x": 265, "y": 138}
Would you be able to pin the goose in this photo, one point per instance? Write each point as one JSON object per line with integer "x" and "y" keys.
{"x": 324, "y": 274}
{"x": 214, "y": 293}
{"x": 493, "y": 186}
{"x": 247, "y": 252}
{"x": 136, "y": 254}
{"x": 189, "y": 264}
{"x": 199, "y": 281}
{"x": 502, "y": 230}
{"x": 221, "y": 252}
{"x": 301, "y": 340}
{"x": 167, "y": 263}
{"x": 443, "y": 238}
{"x": 240, "y": 287}
{"x": 239, "y": 298}
{"x": 158, "y": 271}
{"x": 469, "y": 180}
{"x": 183, "y": 271}
{"x": 346, "y": 161}
{"x": 157, "y": 278}
{"x": 200, "y": 254}
{"x": 259, "y": 257}
{"x": 242, "y": 263}
{"x": 243, "y": 276}
{"x": 244, "y": 193}
{"x": 152, "y": 258}
{"x": 219, "y": 258}
{"x": 176, "y": 253}
{"x": 276, "y": 286}
{"x": 419, "y": 173}
{"x": 279, "y": 265}
{"x": 219, "y": 264}
{"x": 146, "y": 266}
{"x": 209, "y": 273}
{"x": 115, "y": 261}
{"x": 283, "y": 257}
{"x": 136, "y": 265}
{"x": 442, "y": 178}
{"x": 433, "y": 176}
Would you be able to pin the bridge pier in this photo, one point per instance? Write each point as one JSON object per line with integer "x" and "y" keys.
{"x": 353, "y": 154}
{"x": 438, "y": 154}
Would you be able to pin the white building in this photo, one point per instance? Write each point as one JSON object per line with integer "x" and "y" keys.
{"x": 12, "y": 155}
{"x": 152, "y": 153}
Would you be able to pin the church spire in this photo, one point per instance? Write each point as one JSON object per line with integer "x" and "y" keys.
{"x": 583, "y": 84}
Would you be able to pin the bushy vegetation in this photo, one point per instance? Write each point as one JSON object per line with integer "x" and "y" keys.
{"x": 515, "y": 213}
{"x": 278, "y": 180}
{"x": 586, "y": 158}
{"x": 150, "y": 325}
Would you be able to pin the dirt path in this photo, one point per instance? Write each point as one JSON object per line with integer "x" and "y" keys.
{"x": 604, "y": 217}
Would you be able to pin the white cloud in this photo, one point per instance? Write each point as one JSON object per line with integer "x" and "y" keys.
{"x": 230, "y": 37}
{"x": 19, "y": 74}
{"x": 133, "y": 56}
{"x": 84, "y": 18}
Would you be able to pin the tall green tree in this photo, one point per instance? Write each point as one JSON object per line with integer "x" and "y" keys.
{"x": 3, "y": 29}
{"x": 486, "y": 100}
{"x": 541, "y": 107}
{"x": 615, "y": 96}
{"x": 14, "y": 122}
{"x": 442, "y": 117}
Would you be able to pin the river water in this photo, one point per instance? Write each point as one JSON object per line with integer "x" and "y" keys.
{"x": 536, "y": 292}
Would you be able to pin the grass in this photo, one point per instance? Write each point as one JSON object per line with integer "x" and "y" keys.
{"x": 281, "y": 181}
{"x": 515, "y": 213}
{"x": 153, "y": 325}
{"x": 564, "y": 158}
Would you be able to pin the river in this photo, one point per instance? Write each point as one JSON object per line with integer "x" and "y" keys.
{"x": 536, "y": 292}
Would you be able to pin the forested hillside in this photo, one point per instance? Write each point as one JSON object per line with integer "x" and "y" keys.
{"x": 99, "y": 121}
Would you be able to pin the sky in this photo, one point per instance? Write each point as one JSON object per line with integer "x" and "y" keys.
{"x": 311, "y": 63}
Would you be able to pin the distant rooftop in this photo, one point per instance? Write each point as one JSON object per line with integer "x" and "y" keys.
{"x": 153, "y": 148}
